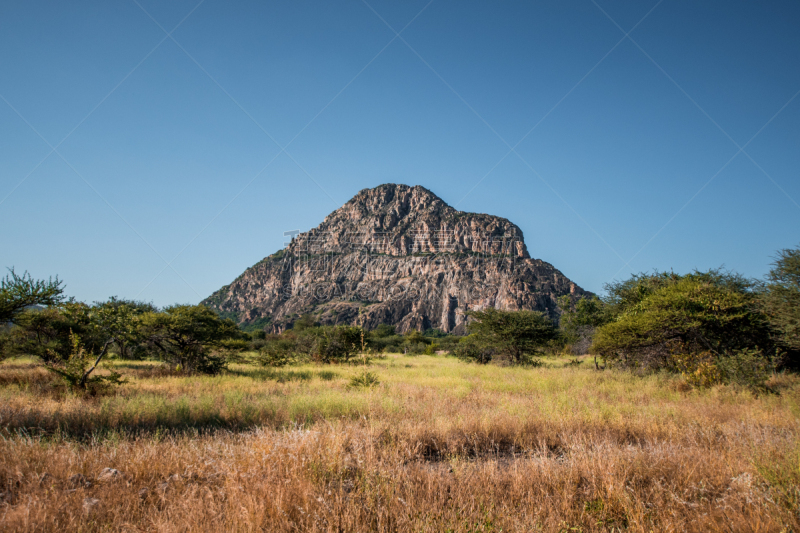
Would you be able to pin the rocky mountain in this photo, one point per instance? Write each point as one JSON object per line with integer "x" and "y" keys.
{"x": 395, "y": 255}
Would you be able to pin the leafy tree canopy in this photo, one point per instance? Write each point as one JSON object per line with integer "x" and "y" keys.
{"x": 662, "y": 313}
{"x": 518, "y": 335}
{"x": 580, "y": 318}
{"x": 781, "y": 297}
{"x": 19, "y": 292}
{"x": 190, "y": 336}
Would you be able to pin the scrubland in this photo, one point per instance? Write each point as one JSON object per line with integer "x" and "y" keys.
{"x": 438, "y": 445}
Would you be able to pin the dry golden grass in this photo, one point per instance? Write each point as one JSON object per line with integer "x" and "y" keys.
{"x": 437, "y": 446}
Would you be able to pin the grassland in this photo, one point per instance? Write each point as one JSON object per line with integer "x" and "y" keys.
{"x": 437, "y": 445}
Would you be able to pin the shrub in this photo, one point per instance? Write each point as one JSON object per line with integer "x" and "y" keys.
{"x": 384, "y": 338}
{"x": 531, "y": 361}
{"x": 748, "y": 368}
{"x": 431, "y": 349}
{"x": 579, "y": 320}
{"x": 364, "y": 379}
{"x": 699, "y": 369}
{"x": 257, "y": 345}
{"x": 655, "y": 316}
{"x": 382, "y": 331}
{"x": 77, "y": 369}
{"x": 337, "y": 343}
{"x": 448, "y": 343}
{"x": 470, "y": 350}
{"x": 278, "y": 352}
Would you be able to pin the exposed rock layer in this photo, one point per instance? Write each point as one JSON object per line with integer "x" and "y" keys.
{"x": 395, "y": 255}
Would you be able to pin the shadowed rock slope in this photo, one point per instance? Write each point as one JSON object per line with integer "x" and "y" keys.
{"x": 395, "y": 255}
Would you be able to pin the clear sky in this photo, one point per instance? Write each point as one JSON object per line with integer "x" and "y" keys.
{"x": 154, "y": 150}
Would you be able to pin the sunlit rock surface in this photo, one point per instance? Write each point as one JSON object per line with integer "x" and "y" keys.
{"x": 395, "y": 255}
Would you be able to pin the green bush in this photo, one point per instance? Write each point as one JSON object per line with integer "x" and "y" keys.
{"x": 579, "y": 320}
{"x": 364, "y": 379}
{"x": 448, "y": 343}
{"x": 470, "y": 350}
{"x": 748, "y": 368}
{"x": 77, "y": 369}
{"x": 656, "y": 316}
{"x": 431, "y": 349}
{"x": 335, "y": 343}
{"x": 257, "y": 345}
{"x": 278, "y": 351}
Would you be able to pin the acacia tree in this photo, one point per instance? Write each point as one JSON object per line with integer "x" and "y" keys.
{"x": 580, "y": 319}
{"x": 80, "y": 338}
{"x": 19, "y": 292}
{"x": 657, "y": 316}
{"x": 781, "y": 297}
{"x": 518, "y": 335}
{"x": 123, "y": 316}
{"x": 72, "y": 340}
{"x": 191, "y": 337}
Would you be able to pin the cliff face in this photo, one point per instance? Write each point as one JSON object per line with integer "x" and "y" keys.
{"x": 395, "y": 255}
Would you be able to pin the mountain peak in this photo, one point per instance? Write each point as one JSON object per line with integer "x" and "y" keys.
{"x": 399, "y": 219}
{"x": 395, "y": 254}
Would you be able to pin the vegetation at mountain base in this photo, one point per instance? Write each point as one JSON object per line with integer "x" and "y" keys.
{"x": 190, "y": 338}
{"x": 712, "y": 327}
{"x": 671, "y": 403}
{"x": 579, "y": 320}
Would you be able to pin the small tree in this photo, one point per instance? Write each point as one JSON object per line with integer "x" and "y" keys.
{"x": 781, "y": 297}
{"x": 190, "y": 337}
{"x": 46, "y": 333}
{"x": 337, "y": 343}
{"x": 76, "y": 356}
{"x": 580, "y": 319}
{"x": 518, "y": 335}
{"x": 123, "y": 317}
{"x": 19, "y": 292}
{"x": 77, "y": 368}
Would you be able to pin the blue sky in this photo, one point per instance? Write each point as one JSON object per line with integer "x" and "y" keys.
{"x": 181, "y": 158}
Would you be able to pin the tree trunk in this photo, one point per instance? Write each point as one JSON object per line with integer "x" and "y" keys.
{"x": 82, "y": 382}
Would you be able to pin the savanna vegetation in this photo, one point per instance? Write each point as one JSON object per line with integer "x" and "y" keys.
{"x": 669, "y": 404}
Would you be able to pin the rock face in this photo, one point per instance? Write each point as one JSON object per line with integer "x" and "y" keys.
{"x": 395, "y": 255}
